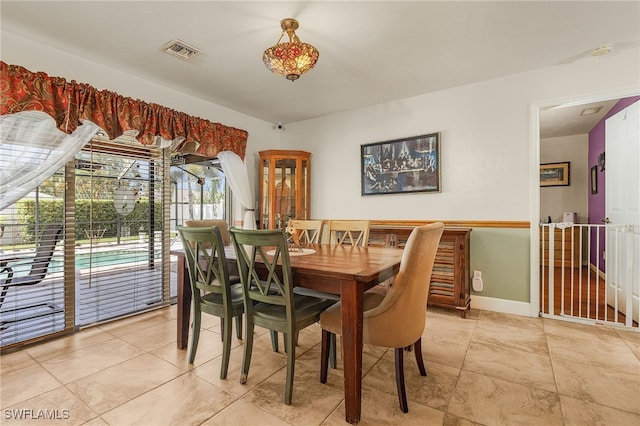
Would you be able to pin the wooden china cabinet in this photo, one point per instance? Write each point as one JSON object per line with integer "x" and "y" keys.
{"x": 284, "y": 187}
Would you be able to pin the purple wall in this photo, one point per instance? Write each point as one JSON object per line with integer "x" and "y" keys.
{"x": 596, "y": 201}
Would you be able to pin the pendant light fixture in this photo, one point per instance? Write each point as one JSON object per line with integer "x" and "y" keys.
{"x": 293, "y": 58}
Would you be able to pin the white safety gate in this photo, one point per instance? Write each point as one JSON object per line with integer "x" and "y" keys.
{"x": 590, "y": 273}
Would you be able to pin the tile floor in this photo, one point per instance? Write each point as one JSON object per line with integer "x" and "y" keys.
{"x": 488, "y": 369}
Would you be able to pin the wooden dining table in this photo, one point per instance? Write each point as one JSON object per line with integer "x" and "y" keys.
{"x": 347, "y": 271}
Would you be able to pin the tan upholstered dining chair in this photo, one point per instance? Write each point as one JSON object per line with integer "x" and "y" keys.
{"x": 354, "y": 232}
{"x": 395, "y": 320}
{"x": 207, "y": 223}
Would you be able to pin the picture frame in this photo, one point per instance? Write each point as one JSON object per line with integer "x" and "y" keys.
{"x": 594, "y": 179}
{"x": 555, "y": 174}
{"x": 401, "y": 165}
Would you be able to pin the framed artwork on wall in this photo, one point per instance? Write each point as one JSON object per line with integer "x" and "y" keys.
{"x": 555, "y": 174}
{"x": 401, "y": 165}
{"x": 594, "y": 180}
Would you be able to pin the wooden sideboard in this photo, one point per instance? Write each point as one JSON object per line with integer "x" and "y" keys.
{"x": 450, "y": 279}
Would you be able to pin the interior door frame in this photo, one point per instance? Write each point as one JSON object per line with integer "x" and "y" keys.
{"x": 534, "y": 177}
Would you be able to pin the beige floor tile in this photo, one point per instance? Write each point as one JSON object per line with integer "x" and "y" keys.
{"x": 613, "y": 353}
{"x": 492, "y": 401}
{"x": 16, "y": 361}
{"x": 56, "y": 407}
{"x": 613, "y": 388}
{"x": 209, "y": 348}
{"x": 98, "y": 421}
{"x": 380, "y": 408}
{"x": 84, "y": 362}
{"x": 513, "y": 334}
{"x": 632, "y": 339}
{"x": 58, "y": 347}
{"x": 442, "y": 343}
{"x": 311, "y": 402}
{"x": 137, "y": 322}
{"x": 152, "y": 337}
{"x": 434, "y": 390}
{"x": 243, "y": 413}
{"x": 598, "y": 345}
{"x": 509, "y": 320}
{"x": 186, "y": 400}
{"x": 577, "y": 330}
{"x": 26, "y": 383}
{"x": 577, "y": 412}
{"x": 370, "y": 355}
{"x": 264, "y": 364}
{"x": 451, "y": 420}
{"x": 106, "y": 389}
{"x": 525, "y": 368}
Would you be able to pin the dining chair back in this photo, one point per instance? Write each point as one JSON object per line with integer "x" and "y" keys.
{"x": 396, "y": 319}
{"x": 265, "y": 270}
{"x": 310, "y": 230}
{"x": 207, "y": 223}
{"x": 353, "y": 232}
{"x": 213, "y": 292}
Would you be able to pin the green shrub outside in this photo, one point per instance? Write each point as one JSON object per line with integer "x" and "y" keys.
{"x": 101, "y": 214}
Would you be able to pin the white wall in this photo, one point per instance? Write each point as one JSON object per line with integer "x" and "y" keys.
{"x": 488, "y": 145}
{"x": 555, "y": 200}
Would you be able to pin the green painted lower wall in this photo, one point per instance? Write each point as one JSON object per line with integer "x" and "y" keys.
{"x": 503, "y": 256}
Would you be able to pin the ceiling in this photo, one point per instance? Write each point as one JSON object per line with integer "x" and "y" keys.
{"x": 370, "y": 52}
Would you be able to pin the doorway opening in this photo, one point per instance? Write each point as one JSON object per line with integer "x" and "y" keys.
{"x": 569, "y": 245}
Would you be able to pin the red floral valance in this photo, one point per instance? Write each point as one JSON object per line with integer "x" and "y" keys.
{"x": 69, "y": 103}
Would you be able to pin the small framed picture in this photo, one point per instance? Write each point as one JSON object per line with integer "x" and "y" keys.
{"x": 594, "y": 180}
{"x": 401, "y": 165}
{"x": 555, "y": 174}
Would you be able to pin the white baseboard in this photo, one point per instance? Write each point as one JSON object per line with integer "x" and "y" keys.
{"x": 501, "y": 305}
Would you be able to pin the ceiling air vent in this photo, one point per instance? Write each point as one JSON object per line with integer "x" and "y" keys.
{"x": 180, "y": 49}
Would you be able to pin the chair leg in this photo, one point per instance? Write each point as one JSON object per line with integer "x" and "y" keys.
{"x": 324, "y": 355}
{"x": 196, "y": 336}
{"x": 222, "y": 329}
{"x": 418, "y": 351}
{"x": 332, "y": 351}
{"x": 274, "y": 340}
{"x": 226, "y": 350}
{"x": 402, "y": 392}
{"x": 248, "y": 348}
{"x": 290, "y": 344}
{"x": 239, "y": 327}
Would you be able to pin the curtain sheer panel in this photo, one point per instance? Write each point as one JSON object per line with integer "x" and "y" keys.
{"x": 32, "y": 150}
{"x": 236, "y": 172}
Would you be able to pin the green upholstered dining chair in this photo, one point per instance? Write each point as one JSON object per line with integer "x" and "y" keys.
{"x": 267, "y": 280}
{"x": 213, "y": 292}
{"x": 396, "y": 319}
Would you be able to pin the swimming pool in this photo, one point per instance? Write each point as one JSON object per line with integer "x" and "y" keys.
{"x": 96, "y": 259}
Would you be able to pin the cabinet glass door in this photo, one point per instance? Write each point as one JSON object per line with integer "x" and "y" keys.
{"x": 284, "y": 187}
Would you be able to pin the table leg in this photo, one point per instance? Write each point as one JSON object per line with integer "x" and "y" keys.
{"x": 184, "y": 303}
{"x": 351, "y": 301}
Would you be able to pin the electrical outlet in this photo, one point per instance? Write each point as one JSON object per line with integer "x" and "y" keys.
{"x": 477, "y": 274}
